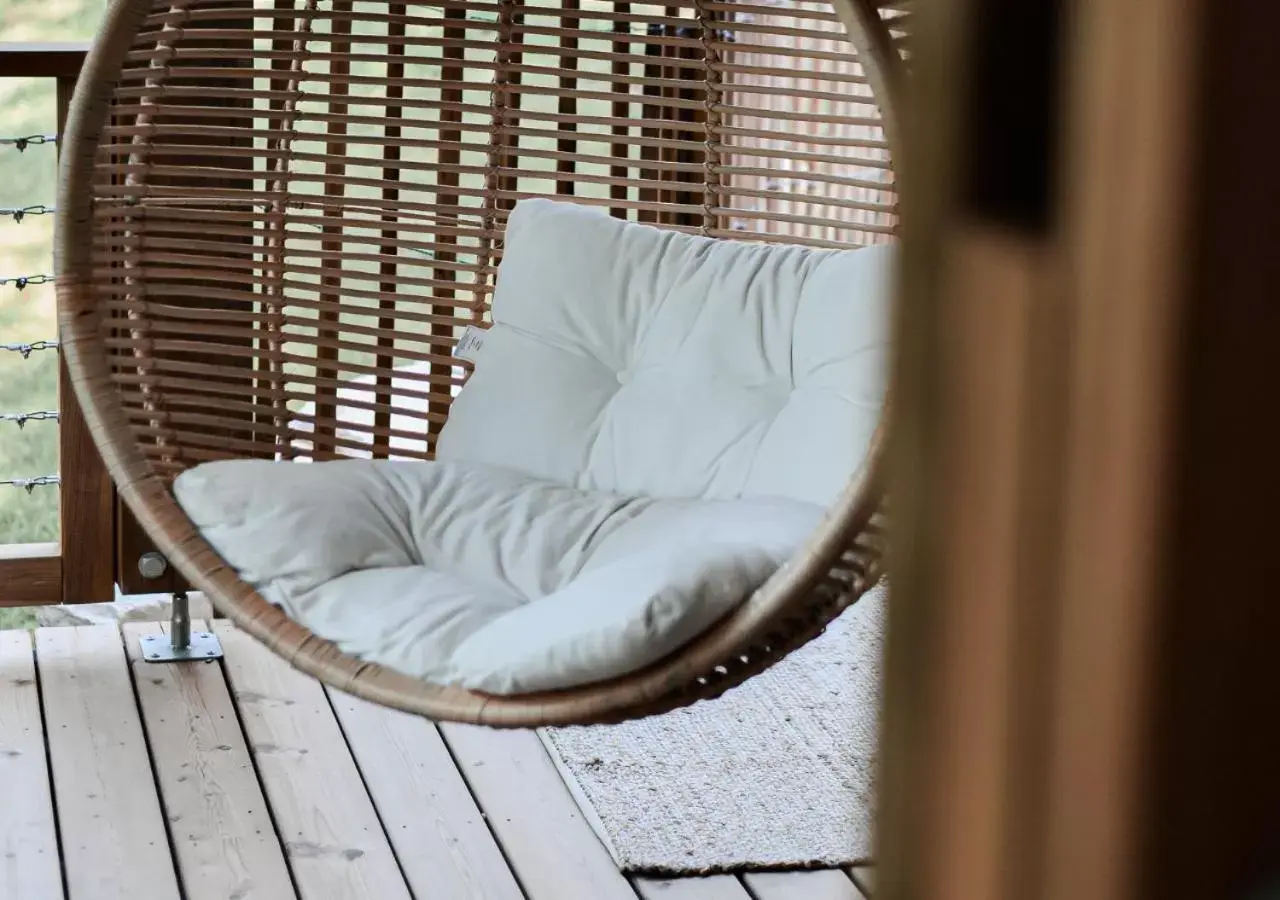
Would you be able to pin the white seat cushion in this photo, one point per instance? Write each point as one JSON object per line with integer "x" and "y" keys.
{"x": 460, "y": 573}
{"x": 654, "y": 424}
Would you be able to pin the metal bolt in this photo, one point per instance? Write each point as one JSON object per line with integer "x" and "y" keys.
{"x": 152, "y": 565}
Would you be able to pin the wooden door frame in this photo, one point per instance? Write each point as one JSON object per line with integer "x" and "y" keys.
{"x": 1083, "y": 630}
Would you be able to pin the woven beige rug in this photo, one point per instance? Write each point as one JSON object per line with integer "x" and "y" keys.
{"x": 779, "y": 772}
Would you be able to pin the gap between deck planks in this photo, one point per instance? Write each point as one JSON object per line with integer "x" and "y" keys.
{"x": 261, "y": 784}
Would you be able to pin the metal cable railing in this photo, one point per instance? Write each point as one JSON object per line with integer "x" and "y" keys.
{"x": 21, "y": 419}
{"x": 40, "y": 425}
{"x": 30, "y": 484}
{"x": 25, "y": 350}
{"x": 18, "y": 215}
{"x": 22, "y": 282}
{"x": 22, "y": 143}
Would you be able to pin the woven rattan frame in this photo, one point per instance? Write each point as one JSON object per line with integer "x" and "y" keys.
{"x": 241, "y": 180}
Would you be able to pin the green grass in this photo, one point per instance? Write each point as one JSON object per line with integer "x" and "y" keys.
{"x": 17, "y": 618}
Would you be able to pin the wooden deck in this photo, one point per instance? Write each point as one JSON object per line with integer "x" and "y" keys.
{"x": 245, "y": 780}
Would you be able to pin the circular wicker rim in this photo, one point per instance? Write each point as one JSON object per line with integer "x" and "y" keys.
{"x": 839, "y": 561}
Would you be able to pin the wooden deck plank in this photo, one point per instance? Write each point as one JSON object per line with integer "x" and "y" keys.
{"x": 439, "y": 833}
{"x": 712, "y": 887}
{"x": 219, "y": 824}
{"x": 28, "y": 834}
{"x": 865, "y": 877}
{"x": 817, "y": 884}
{"x": 114, "y": 843}
{"x": 334, "y": 841}
{"x": 554, "y": 852}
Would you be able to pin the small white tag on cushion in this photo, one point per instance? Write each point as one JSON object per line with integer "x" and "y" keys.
{"x": 469, "y": 344}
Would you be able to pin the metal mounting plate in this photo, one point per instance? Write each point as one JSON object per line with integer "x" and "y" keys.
{"x": 159, "y": 648}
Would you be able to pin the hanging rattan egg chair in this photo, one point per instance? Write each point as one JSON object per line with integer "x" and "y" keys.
{"x": 251, "y": 190}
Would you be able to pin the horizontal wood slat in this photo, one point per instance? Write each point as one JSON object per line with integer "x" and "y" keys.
{"x": 42, "y": 59}
{"x": 30, "y": 574}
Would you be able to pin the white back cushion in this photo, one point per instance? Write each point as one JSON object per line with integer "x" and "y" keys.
{"x": 633, "y": 359}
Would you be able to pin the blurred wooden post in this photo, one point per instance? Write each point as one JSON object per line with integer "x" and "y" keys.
{"x": 1082, "y": 699}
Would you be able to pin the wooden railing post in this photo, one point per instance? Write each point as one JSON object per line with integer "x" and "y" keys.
{"x": 87, "y": 511}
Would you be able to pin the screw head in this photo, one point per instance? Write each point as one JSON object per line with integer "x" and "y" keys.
{"x": 152, "y": 565}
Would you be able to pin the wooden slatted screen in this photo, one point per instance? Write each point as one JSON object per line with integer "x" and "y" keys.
{"x": 355, "y": 171}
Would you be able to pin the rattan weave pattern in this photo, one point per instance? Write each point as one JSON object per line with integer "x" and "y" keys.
{"x": 263, "y": 200}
